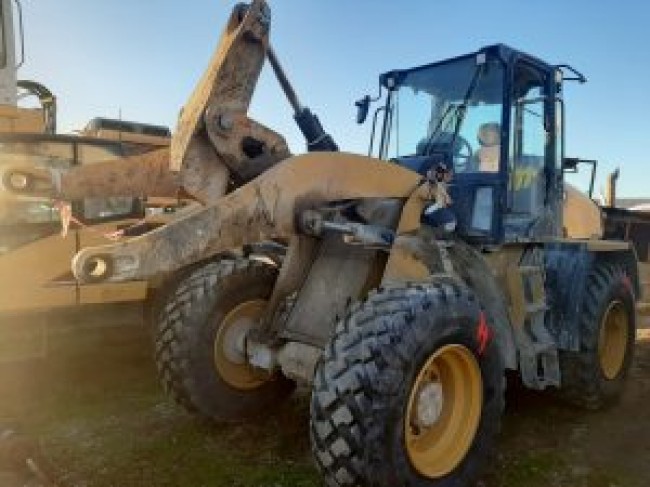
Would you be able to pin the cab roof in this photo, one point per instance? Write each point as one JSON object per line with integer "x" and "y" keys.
{"x": 506, "y": 54}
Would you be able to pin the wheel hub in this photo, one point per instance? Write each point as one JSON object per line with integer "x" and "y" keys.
{"x": 444, "y": 411}
{"x": 230, "y": 346}
{"x": 234, "y": 339}
{"x": 612, "y": 342}
{"x": 429, "y": 404}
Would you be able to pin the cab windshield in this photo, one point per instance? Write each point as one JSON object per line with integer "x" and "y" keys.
{"x": 453, "y": 108}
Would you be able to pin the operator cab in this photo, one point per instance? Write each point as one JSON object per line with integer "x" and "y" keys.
{"x": 495, "y": 117}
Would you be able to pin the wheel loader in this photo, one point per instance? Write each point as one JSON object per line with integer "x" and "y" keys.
{"x": 401, "y": 286}
{"x": 39, "y": 293}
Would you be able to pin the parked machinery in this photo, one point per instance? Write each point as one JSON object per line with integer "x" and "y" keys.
{"x": 329, "y": 268}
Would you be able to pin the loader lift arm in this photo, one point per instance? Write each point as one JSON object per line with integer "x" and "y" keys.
{"x": 216, "y": 145}
{"x": 259, "y": 211}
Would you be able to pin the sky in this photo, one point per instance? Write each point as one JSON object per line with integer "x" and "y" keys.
{"x": 141, "y": 59}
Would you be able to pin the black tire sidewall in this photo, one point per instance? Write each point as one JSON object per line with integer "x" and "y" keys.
{"x": 363, "y": 383}
{"x": 208, "y": 318}
{"x": 584, "y": 383}
{"x": 617, "y": 290}
{"x": 197, "y": 309}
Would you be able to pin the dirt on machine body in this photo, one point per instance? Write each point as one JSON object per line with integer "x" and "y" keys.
{"x": 401, "y": 286}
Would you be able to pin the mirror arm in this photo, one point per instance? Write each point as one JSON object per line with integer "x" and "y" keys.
{"x": 578, "y": 75}
{"x": 570, "y": 164}
{"x": 374, "y": 125}
{"x": 362, "y": 113}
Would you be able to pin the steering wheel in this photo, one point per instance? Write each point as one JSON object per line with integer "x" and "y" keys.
{"x": 462, "y": 154}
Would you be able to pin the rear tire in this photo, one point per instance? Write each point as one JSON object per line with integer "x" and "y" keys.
{"x": 364, "y": 427}
{"x": 595, "y": 376}
{"x": 194, "y": 367}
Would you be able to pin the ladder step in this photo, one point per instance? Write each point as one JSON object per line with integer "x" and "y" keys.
{"x": 534, "y": 308}
{"x": 530, "y": 269}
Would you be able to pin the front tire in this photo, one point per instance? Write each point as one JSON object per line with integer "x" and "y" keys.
{"x": 198, "y": 341}
{"x": 410, "y": 391}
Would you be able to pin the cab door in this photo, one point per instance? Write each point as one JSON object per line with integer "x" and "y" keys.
{"x": 530, "y": 153}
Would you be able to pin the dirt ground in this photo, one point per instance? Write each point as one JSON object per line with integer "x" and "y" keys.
{"x": 100, "y": 420}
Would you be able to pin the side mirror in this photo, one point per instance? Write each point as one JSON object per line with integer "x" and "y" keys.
{"x": 570, "y": 164}
{"x": 363, "y": 106}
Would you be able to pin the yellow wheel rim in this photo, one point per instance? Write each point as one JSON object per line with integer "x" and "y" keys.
{"x": 229, "y": 346}
{"x": 444, "y": 411}
{"x": 612, "y": 342}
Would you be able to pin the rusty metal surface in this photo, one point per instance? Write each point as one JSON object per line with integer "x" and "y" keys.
{"x": 231, "y": 75}
{"x": 263, "y": 209}
{"x": 146, "y": 174}
{"x": 205, "y": 182}
{"x": 215, "y": 142}
{"x": 219, "y": 104}
{"x": 246, "y": 147}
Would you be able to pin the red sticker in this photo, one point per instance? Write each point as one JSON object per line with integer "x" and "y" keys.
{"x": 483, "y": 333}
{"x": 627, "y": 282}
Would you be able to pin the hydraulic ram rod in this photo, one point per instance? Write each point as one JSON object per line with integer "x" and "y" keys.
{"x": 308, "y": 123}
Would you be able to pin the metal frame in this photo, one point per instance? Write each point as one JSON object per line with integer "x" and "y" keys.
{"x": 74, "y": 142}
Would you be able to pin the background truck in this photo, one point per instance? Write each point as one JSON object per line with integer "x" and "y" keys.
{"x": 633, "y": 224}
{"x": 618, "y": 219}
{"x": 37, "y": 286}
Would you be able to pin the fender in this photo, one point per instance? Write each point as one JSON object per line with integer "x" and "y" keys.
{"x": 568, "y": 265}
{"x": 419, "y": 256}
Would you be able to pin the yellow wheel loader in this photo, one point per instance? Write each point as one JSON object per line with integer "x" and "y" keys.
{"x": 402, "y": 285}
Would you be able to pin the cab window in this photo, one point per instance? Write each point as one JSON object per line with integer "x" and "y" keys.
{"x": 528, "y": 144}
{"x": 111, "y": 208}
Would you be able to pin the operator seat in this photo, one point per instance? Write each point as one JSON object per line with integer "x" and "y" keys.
{"x": 488, "y": 155}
